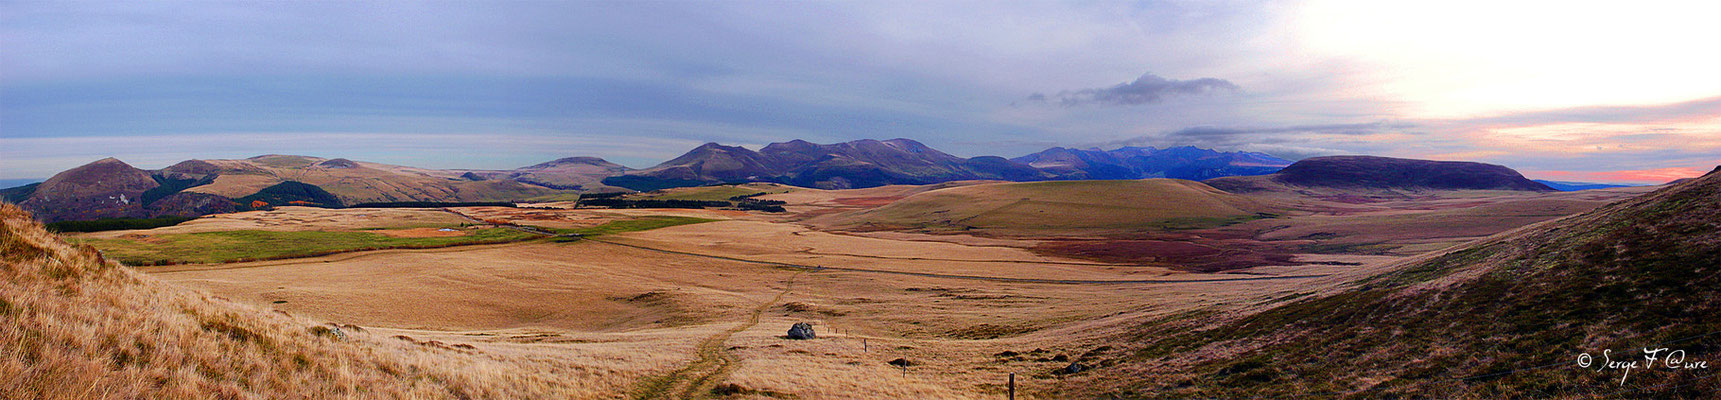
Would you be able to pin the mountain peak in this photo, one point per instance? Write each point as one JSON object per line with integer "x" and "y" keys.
{"x": 104, "y": 164}
{"x": 105, "y": 188}
{"x": 337, "y": 163}
{"x": 716, "y": 146}
{"x": 577, "y": 160}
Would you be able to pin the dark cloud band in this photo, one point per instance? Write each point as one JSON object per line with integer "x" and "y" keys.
{"x": 1147, "y": 89}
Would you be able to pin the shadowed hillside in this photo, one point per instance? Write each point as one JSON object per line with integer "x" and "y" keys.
{"x": 1370, "y": 172}
{"x": 79, "y": 327}
{"x": 1506, "y": 317}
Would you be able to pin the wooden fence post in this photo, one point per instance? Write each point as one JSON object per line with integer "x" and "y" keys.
{"x": 1012, "y": 386}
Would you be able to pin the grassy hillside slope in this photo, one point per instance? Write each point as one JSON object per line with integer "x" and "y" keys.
{"x": 79, "y": 327}
{"x": 359, "y": 182}
{"x": 1062, "y": 206}
{"x": 1506, "y": 317}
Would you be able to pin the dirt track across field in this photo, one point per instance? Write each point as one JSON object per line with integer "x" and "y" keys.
{"x": 714, "y": 361}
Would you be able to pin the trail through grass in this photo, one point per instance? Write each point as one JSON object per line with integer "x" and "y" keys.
{"x": 698, "y": 378}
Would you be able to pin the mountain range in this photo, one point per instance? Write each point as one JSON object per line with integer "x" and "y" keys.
{"x": 869, "y": 163}
{"x": 110, "y": 188}
{"x": 1190, "y": 163}
{"x": 856, "y": 164}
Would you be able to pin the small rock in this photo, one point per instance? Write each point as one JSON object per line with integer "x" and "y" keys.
{"x": 1075, "y": 367}
{"x": 801, "y": 330}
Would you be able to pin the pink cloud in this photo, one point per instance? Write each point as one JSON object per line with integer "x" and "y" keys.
{"x": 1654, "y": 176}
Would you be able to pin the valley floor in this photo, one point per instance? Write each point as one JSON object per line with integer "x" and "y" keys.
{"x": 656, "y": 301}
{"x": 700, "y": 309}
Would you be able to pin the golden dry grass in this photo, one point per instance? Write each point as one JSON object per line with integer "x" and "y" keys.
{"x": 1041, "y": 208}
{"x": 302, "y": 219}
{"x": 590, "y": 319}
{"x": 80, "y": 327}
{"x": 587, "y": 300}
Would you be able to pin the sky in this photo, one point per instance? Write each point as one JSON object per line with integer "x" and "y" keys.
{"x": 1623, "y": 92}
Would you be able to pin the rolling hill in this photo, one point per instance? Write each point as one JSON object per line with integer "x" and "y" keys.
{"x": 1383, "y": 173}
{"x": 350, "y": 181}
{"x": 110, "y": 188}
{"x": 1004, "y": 208}
{"x": 106, "y": 188}
{"x": 1504, "y": 317}
{"x": 571, "y": 173}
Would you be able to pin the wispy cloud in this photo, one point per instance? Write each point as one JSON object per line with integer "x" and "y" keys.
{"x": 635, "y": 80}
{"x": 1147, "y": 89}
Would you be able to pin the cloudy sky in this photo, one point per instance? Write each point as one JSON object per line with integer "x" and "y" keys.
{"x": 1603, "y": 91}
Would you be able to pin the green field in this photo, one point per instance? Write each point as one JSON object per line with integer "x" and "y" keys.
{"x": 634, "y": 225}
{"x": 230, "y": 246}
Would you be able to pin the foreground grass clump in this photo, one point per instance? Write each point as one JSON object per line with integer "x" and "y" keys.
{"x": 76, "y": 326}
{"x": 228, "y": 246}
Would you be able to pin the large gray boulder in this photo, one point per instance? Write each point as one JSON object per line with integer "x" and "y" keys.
{"x": 801, "y": 330}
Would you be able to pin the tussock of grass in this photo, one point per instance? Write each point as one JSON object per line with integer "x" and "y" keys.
{"x": 76, "y": 326}
{"x": 228, "y": 246}
{"x": 1504, "y": 318}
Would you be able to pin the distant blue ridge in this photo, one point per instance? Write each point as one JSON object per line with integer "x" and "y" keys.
{"x": 12, "y": 183}
{"x": 1574, "y": 186}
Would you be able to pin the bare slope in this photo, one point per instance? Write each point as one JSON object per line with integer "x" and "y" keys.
{"x": 1505, "y": 317}
{"x": 106, "y": 188}
{"x": 1006, "y": 208}
{"x": 79, "y": 327}
{"x": 571, "y": 173}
